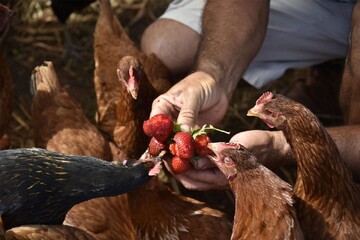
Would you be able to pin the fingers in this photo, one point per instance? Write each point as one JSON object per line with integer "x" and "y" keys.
{"x": 162, "y": 105}
{"x": 203, "y": 163}
{"x": 188, "y": 113}
{"x": 207, "y": 178}
{"x": 210, "y": 179}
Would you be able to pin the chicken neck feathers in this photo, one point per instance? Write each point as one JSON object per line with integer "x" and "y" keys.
{"x": 264, "y": 206}
{"x": 328, "y": 198}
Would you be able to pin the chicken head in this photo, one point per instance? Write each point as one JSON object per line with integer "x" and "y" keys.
{"x": 268, "y": 112}
{"x": 129, "y": 72}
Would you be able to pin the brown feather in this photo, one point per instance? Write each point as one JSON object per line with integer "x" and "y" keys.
{"x": 263, "y": 202}
{"x": 59, "y": 122}
{"x": 49, "y": 232}
{"x": 118, "y": 113}
{"x": 328, "y": 198}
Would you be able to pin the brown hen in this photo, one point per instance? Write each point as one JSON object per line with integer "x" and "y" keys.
{"x": 263, "y": 201}
{"x": 61, "y": 125}
{"x": 119, "y": 113}
{"x": 328, "y": 200}
{"x": 59, "y": 122}
{"x": 55, "y": 232}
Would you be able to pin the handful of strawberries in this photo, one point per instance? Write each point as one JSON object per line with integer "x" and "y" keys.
{"x": 184, "y": 146}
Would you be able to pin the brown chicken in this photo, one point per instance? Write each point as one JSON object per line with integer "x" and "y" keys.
{"x": 263, "y": 201}
{"x": 328, "y": 200}
{"x": 55, "y": 232}
{"x": 61, "y": 125}
{"x": 119, "y": 113}
{"x": 6, "y": 85}
{"x": 59, "y": 122}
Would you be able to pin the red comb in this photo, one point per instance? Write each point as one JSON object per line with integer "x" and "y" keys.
{"x": 266, "y": 96}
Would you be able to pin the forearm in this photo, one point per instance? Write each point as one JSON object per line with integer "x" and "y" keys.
{"x": 233, "y": 32}
{"x": 350, "y": 86}
{"x": 347, "y": 139}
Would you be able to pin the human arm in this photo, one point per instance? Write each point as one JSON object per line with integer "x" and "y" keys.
{"x": 350, "y": 85}
{"x": 225, "y": 51}
{"x": 273, "y": 151}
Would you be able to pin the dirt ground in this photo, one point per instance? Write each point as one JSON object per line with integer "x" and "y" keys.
{"x": 35, "y": 36}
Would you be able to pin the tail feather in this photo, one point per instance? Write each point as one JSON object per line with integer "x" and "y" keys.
{"x": 44, "y": 78}
{"x": 109, "y": 22}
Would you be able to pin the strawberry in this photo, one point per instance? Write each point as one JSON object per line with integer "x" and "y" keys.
{"x": 184, "y": 145}
{"x": 155, "y": 147}
{"x": 172, "y": 148}
{"x": 180, "y": 165}
{"x": 159, "y": 126}
{"x": 201, "y": 142}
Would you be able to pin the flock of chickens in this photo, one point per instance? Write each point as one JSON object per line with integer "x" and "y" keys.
{"x": 323, "y": 204}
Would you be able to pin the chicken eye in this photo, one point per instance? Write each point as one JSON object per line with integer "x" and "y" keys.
{"x": 228, "y": 161}
{"x": 271, "y": 113}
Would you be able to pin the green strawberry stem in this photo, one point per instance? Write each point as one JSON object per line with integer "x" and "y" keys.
{"x": 176, "y": 127}
{"x": 204, "y": 129}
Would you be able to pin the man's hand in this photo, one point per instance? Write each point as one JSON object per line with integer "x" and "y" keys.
{"x": 270, "y": 147}
{"x": 194, "y": 101}
{"x": 204, "y": 176}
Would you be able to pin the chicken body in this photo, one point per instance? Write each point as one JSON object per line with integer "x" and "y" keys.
{"x": 39, "y": 186}
{"x": 158, "y": 213}
{"x": 119, "y": 114}
{"x": 263, "y": 202}
{"x": 58, "y": 121}
{"x": 56, "y": 232}
{"x": 61, "y": 125}
{"x": 328, "y": 200}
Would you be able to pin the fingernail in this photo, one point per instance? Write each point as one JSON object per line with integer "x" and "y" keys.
{"x": 185, "y": 128}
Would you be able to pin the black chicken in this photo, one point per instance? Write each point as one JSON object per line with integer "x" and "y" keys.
{"x": 62, "y": 10}
{"x": 39, "y": 187}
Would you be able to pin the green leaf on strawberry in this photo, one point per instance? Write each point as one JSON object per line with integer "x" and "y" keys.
{"x": 204, "y": 129}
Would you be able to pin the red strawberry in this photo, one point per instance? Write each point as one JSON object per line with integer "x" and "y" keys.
{"x": 184, "y": 145}
{"x": 180, "y": 165}
{"x": 155, "y": 147}
{"x": 172, "y": 148}
{"x": 201, "y": 142}
{"x": 159, "y": 126}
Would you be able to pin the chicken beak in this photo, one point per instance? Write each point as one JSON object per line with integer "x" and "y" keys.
{"x": 253, "y": 112}
{"x": 214, "y": 147}
{"x": 134, "y": 93}
{"x": 217, "y": 147}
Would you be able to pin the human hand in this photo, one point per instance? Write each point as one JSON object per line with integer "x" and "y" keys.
{"x": 270, "y": 147}
{"x": 194, "y": 101}
{"x": 204, "y": 176}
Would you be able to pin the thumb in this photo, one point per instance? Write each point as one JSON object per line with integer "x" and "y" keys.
{"x": 188, "y": 114}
